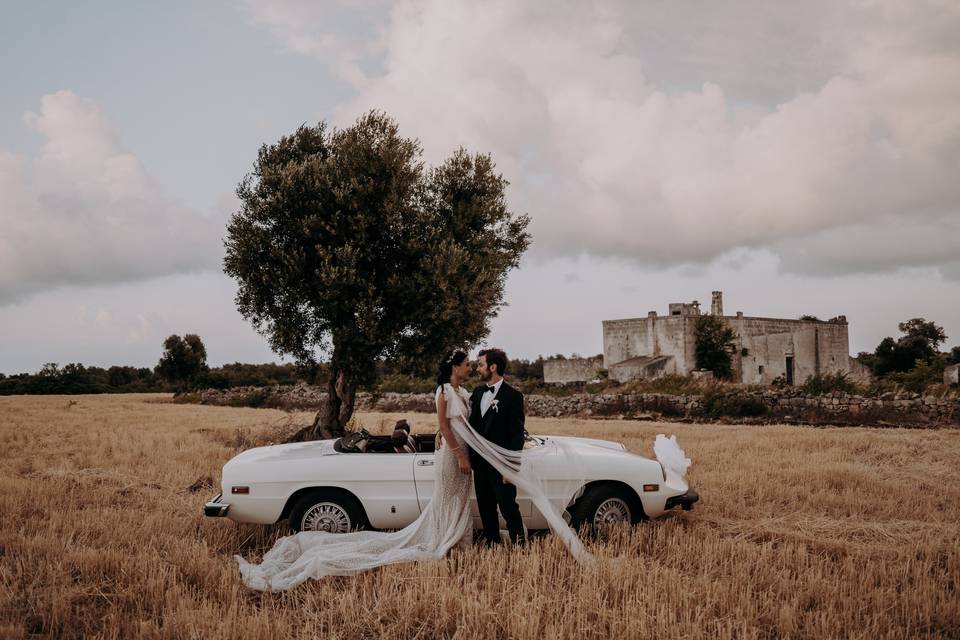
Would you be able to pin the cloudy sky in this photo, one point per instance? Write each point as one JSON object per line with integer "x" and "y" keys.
{"x": 801, "y": 157}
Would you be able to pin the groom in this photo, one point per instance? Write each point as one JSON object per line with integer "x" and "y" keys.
{"x": 497, "y": 415}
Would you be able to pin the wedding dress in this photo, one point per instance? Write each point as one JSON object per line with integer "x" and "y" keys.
{"x": 444, "y": 523}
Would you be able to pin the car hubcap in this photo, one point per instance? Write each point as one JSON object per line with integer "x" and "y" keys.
{"x": 611, "y": 511}
{"x": 326, "y": 516}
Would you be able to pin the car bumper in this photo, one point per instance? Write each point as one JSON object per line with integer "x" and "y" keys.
{"x": 684, "y": 500}
{"x": 216, "y": 508}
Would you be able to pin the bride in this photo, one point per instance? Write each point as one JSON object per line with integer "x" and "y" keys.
{"x": 445, "y": 522}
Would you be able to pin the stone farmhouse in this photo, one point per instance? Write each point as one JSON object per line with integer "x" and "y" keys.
{"x": 766, "y": 349}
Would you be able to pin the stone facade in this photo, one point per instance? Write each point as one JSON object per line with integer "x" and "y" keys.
{"x": 766, "y": 349}
{"x": 793, "y": 350}
{"x": 951, "y": 375}
{"x": 645, "y": 367}
{"x": 859, "y": 372}
{"x": 566, "y": 370}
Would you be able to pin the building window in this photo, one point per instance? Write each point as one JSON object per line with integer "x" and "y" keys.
{"x": 761, "y": 369}
{"x": 744, "y": 352}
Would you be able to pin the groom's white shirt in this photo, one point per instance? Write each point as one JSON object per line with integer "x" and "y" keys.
{"x": 488, "y": 397}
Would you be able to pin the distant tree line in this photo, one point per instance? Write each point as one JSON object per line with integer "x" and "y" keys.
{"x": 75, "y": 378}
{"x": 183, "y": 367}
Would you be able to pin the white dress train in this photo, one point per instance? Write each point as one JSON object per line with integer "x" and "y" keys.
{"x": 444, "y": 523}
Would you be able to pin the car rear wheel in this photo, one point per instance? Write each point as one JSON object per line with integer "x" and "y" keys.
{"x": 330, "y": 511}
{"x": 604, "y": 505}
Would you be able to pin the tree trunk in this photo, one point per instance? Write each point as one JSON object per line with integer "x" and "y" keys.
{"x": 331, "y": 421}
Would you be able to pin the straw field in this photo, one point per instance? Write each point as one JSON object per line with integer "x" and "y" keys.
{"x": 800, "y": 533}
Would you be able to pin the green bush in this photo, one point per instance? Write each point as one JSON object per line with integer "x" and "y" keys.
{"x": 670, "y": 384}
{"x": 922, "y": 376}
{"x": 718, "y": 403}
{"x": 254, "y": 399}
{"x": 821, "y": 384}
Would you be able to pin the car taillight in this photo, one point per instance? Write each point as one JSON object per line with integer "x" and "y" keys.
{"x": 240, "y": 490}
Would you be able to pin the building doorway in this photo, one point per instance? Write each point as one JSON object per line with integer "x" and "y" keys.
{"x": 790, "y": 370}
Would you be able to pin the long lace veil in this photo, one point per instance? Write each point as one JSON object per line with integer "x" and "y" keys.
{"x": 312, "y": 554}
{"x": 529, "y": 477}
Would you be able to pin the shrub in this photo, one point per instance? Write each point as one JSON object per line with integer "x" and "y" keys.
{"x": 670, "y": 384}
{"x": 254, "y": 399}
{"x": 922, "y": 376}
{"x": 717, "y": 404}
{"x": 820, "y": 384}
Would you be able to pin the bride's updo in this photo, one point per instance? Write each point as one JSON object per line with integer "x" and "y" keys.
{"x": 451, "y": 360}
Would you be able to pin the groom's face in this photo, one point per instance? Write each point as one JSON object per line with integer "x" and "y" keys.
{"x": 482, "y": 369}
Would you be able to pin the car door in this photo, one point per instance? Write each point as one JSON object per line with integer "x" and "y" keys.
{"x": 384, "y": 484}
{"x": 423, "y": 474}
{"x": 423, "y": 478}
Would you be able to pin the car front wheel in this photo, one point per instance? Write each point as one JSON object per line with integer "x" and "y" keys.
{"x": 330, "y": 511}
{"x": 604, "y": 505}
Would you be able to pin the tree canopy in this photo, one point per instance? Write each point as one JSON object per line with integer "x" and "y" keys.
{"x": 183, "y": 359}
{"x": 919, "y": 343}
{"x": 346, "y": 247}
{"x": 715, "y": 342}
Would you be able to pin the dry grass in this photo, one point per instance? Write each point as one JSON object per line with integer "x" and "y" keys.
{"x": 800, "y": 533}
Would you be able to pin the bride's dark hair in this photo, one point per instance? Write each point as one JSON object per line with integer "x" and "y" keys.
{"x": 451, "y": 360}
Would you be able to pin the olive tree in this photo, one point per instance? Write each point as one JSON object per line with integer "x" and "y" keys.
{"x": 347, "y": 248}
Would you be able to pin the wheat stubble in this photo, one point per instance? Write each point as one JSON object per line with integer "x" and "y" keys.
{"x": 801, "y": 532}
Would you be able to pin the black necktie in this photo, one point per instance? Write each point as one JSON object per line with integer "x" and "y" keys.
{"x": 491, "y": 389}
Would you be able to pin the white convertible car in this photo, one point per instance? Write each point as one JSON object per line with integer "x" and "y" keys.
{"x": 324, "y": 486}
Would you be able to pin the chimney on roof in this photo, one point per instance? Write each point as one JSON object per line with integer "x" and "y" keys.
{"x": 716, "y": 304}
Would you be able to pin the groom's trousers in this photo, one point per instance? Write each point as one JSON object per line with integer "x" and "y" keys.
{"x": 492, "y": 493}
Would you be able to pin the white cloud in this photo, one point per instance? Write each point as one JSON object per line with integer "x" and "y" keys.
{"x": 86, "y": 211}
{"x": 668, "y": 133}
{"x": 346, "y": 34}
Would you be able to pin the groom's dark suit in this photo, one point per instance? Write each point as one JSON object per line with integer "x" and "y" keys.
{"x": 503, "y": 425}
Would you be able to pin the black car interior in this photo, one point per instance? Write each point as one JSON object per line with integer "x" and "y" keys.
{"x": 364, "y": 442}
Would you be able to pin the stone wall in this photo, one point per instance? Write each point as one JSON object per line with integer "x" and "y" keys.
{"x": 769, "y": 405}
{"x": 645, "y": 368}
{"x": 565, "y": 370}
{"x": 310, "y": 398}
{"x": 859, "y": 372}
{"x": 951, "y": 375}
{"x": 909, "y": 410}
{"x": 651, "y": 336}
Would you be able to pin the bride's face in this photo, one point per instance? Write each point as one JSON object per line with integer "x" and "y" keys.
{"x": 462, "y": 370}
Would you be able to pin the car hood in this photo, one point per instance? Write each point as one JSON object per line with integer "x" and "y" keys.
{"x": 590, "y": 442}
